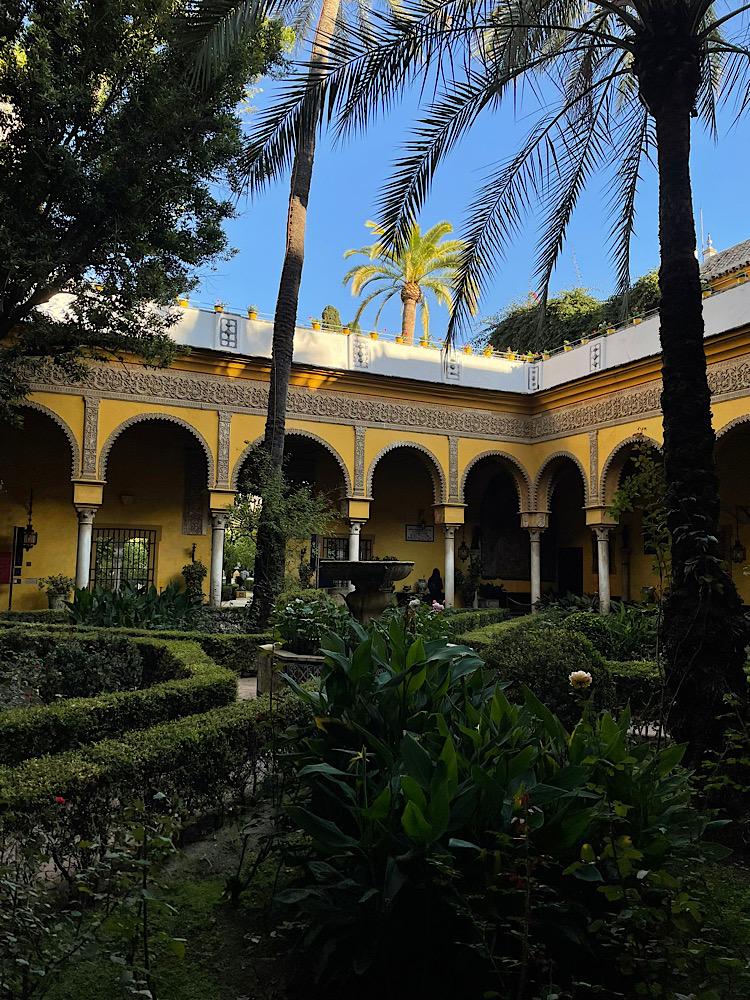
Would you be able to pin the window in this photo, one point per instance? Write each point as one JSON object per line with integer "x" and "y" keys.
{"x": 123, "y": 555}
{"x": 337, "y": 547}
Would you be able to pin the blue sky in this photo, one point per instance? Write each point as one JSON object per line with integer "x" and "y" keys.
{"x": 346, "y": 183}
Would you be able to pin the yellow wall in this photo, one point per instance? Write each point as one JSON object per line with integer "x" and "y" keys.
{"x": 37, "y": 457}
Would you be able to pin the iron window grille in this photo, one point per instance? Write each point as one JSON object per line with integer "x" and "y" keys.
{"x": 123, "y": 555}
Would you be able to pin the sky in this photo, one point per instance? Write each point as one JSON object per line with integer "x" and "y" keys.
{"x": 345, "y": 188}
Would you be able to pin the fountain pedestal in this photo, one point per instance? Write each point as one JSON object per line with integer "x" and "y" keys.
{"x": 373, "y": 581}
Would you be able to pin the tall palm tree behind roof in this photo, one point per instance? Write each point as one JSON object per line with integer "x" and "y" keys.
{"x": 619, "y": 83}
{"x": 426, "y": 263}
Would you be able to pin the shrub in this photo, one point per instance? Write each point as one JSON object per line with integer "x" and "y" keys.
{"x": 637, "y": 683}
{"x": 480, "y": 638}
{"x": 193, "y": 683}
{"x": 469, "y": 619}
{"x": 129, "y": 607}
{"x": 196, "y": 760}
{"x": 461, "y": 845}
{"x": 43, "y": 616}
{"x": 542, "y": 659}
{"x": 302, "y": 623}
{"x": 594, "y": 627}
{"x": 627, "y": 633}
{"x": 418, "y": 619}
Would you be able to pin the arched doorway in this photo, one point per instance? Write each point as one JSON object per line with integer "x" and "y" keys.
{"x": 308, "y": 462}
{"x": 493, "y": 538}
{"x": 154, "y": 516}
{"x": 36, "y": 471}
{"x": 405, "y": 484}
{"x": 573, "y": 550}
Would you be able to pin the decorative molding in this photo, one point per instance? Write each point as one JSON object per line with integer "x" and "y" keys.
{"x": 604, "y": 493}
{"x": 222, "y": 458}
{"x": 744, "y": 419}
{"x": 90, "y": 436}
{"x": 533, "y": 378}
{"x": 543, "y": 485}
{"x": 454, "y": 492}
{"x": 360, "y": 351}
{"x": 294, "y": 432}
{"x": 75, "y": 451}
{"x": 147, "y": 385}
{"x": 360, "y": 432}
{"x": 227, "y": 333}
{"x": 596, "y": 356}
{"x": 519, "y": 474}
{"x": 452, "y": 368}
{"x": 535, "y": 520}
{"x": 86, "y": 515}
{"x": 435, "y": 468}
{"x": 219, "y": 520}
{"x": 594, "y": 465}
{"x": 139, "y": 418}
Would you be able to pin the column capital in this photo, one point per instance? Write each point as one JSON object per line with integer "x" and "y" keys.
{"x": 450, "y": 530}
{"x": 535, "y": 520}
{"x": 219, "y": 519}
{"x": 355, "y": 525}
{"x": 449, "y": 513}
{"x": 86, "y": 514}
{"x": 602, "y": 531}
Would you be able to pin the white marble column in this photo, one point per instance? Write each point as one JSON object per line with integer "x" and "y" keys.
{"x": 218, "y": 529}
{"x": 535, "y": 545}
{"x": 602, "y": 551}
{"x": 450, "y": 565}
{"x": 355, "y": 529}
{"x": 86, "y": 517}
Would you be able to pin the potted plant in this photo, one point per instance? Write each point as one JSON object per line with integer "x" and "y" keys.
{"x": 545, "y": 355}
{"x": 510, "y": 354}
{"x": 373, "y": 334}
{"x": 742, "y": 277}
{"x": 530, "y": 356}
{"x": 609, "y": 330}
{"x": 399, "y": 339}
{"x": 706, "y": 289}
{"x": 424, "y": 342}
{"x": 252, "y": 312}
{"x": 183, "y": 302}
{"x": 567, "y": 346}
{"x": 487, "y": 352}
{"x": 467, "y": 349}
{"x": 345, "y": 330}
{"x": 315, "y": 323}
{"x": 219, "y": 306}
{"x": 584, "y": 340}
{"x": 58, "y": 588}
{"x": 637, "y": 319}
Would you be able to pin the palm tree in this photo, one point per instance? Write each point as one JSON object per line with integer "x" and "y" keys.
{"x": 616, "y": 83}
{"x": 426, "y": 263}
{"x": 214, "y": 27}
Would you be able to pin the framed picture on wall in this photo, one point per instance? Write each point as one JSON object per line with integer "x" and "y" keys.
{"x": 420, "y": 532}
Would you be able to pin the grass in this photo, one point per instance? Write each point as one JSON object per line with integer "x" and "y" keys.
{"x": 230, "y": 952}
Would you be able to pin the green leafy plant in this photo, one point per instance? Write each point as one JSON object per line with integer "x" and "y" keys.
{"x": 58, "y": 588}
{"x": 301, "y": 623}
{"x": 463, "y": 845}
{"x": 194, "y": 573}
{"x": 129, "y": 606}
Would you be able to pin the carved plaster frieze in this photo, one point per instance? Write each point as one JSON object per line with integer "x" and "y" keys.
{"x": 359, "y": 459}
{"x": 453, "y": 490}
{"x": 90, "y": 436}
{"x": 222, "y": 459}
{"x": 242, "y": 395}
{"x": 594, "y": 465}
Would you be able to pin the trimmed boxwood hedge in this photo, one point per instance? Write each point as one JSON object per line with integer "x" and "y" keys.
{"x": 469, "y": 619}
{"x": 637, "y": 683}
{"x": 236, "y": 651}
{"x": 44, "y": 616}
{"x": 195, "y": 684}
{"x": 195, "y": 760}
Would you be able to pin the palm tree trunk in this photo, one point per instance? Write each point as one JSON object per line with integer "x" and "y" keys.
{"x": 705, "y": 632}
{"x": 271, "y": 544}
{"x": 410, "y": 296}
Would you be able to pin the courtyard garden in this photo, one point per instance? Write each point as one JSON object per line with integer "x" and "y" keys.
{"x": 448, "y": 803}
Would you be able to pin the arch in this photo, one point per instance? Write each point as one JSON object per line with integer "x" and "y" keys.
{"x": 615, "y": 463}
{"x": 542, "y": 491}
{"x": 434, "y": 467}
{"x": 735, "y": 422}
{"x": 75, "y": 451}
{"x": 517, "y": 472}
{"x": 294, "y": 432}
{"x": 139, "y": 418}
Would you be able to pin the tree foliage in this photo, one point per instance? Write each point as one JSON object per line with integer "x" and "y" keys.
{"x": 331, "y": 318}
{"x": 111, "y": 168}
{"x": 572, "y": 314}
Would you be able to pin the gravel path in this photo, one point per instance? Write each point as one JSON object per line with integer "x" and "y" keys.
{"x": 247, "y": 687}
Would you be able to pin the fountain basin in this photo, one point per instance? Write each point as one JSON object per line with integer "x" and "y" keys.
{"x": 373, "y": 581}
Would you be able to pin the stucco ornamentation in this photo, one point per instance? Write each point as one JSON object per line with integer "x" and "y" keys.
{"x": 594, "y": 465}
{"x": 542, "y": 492}
{"x": 360, "y": 432}
{"x": 222, "y": 459}
{"x": 139, "y": 418}
{"x": 453, "y": 490}
{"x": 194, "y": 496}
{"x": 90, "y": 436}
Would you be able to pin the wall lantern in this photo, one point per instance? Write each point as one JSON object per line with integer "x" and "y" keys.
{"x": 463, "y": 549}
{"x": 30, "y": 537}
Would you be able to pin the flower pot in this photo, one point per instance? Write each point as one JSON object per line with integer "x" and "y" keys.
{"x": 316, "y": 324}
{"x": 567, "y": 347}
{"x": 345, "y": 330}
{"x": 399, "y": 340}
{"x": 183, "y": 303}
{"x": 707, "y": 293}
{"x": 584, "y": 340}
{"x": 545, "y": 355}
{"x": 252, "y": 314}
{"x": 467, "y": 349}
{"x": 609, "y": 331}
{"x": 487, "y": 352}
{"x": 424, "y": 343}
{"x": 373, "y": 335}
{"x": 218, "y": 309}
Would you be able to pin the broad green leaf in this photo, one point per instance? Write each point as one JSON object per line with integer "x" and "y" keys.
{"x": 416, "y": 760}
{"x": 323, "y": 831}
{"x": 415, "y": 825}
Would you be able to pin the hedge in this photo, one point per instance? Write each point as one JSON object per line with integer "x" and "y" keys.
{"x": 194, "y": 760}
{"x": 236, "y": 651}
{"x": 196, "y": 684}
{"x": 482, "y": 637}
{"x": 470, "y": 619}
{"x": 43, "y": 616}
{"x": 639, "y": 684}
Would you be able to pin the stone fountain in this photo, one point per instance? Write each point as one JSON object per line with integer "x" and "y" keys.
{"x": 373, "y": 581}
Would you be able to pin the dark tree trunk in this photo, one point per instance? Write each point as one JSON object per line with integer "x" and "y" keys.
{"x": 705, "y": 631}
{"x": 270, "y": 551}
